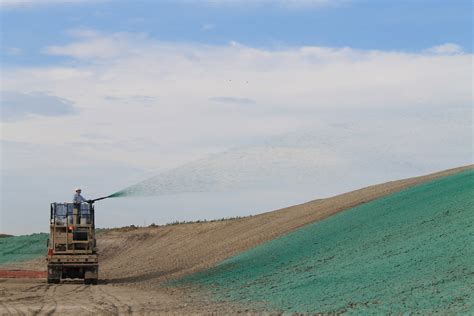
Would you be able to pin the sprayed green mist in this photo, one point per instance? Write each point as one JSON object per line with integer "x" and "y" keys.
{"x": 117, "y": 194}
{"x": 411, "y": 251}
{"x": 21, "y": 248}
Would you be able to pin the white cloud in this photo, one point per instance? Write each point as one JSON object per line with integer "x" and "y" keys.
{"x": 134, "y": 89}
{"x": 348, "y": 117}
{"x": 446, "y": 49}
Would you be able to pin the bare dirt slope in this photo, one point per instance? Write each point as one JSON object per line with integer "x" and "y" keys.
{"x": 162, "y": 253}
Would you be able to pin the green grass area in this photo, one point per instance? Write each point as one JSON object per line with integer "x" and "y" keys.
{"x": 21, "y": 248}
{"x": 411, "y": 251}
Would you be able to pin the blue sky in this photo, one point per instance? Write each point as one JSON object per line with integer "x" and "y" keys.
{"x": 229, "y": 107}
{"x": 386, "y": 25}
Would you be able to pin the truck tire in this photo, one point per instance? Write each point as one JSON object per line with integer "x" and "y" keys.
{"x": 53, "y": 281}
{"x": 54, "y": 275}
{"x": 90, "y": 281}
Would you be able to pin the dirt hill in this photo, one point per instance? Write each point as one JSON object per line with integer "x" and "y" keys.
{"x": 163, "y": 253}
{"x": 406, "y": 252}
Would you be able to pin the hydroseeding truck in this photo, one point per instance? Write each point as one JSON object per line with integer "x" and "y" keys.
{"x": 72, "y": 251}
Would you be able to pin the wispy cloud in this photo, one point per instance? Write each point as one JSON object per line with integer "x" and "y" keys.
{"x": 233, "y": 100}
{"x": 92, "y": 44}
{"x": 143, "y": 99}
{"x": 207, "y": 27}
{"x": 16, "y": 106}
{"x": 446, "y": 49}
{"x": 13, "y": 51}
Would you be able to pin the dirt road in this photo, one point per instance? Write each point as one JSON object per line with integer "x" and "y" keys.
{"x": 35, "y": 297}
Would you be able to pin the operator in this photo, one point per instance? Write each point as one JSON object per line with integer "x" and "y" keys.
{"x": 78, "y": 198}
{"x": 83, "y": 211}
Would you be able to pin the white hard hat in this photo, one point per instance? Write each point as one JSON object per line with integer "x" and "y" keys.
{"x": 78, "y": 189}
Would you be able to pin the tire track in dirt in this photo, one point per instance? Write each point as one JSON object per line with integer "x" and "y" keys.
{"x": 38, "y": 311}
{"x": 52, "y": 299}
{"x": 117, "y": 304}
{"x": 82, "y": 296}
{"x": 43, "y": 301}
{"x": 48, "y": 302}
{"x": 9, "y": 308}
{"x": 80, "y": 300}
{"x": 23, "y": 298}
{"x": 5, "y": 309}
{"x": 24, "y": 301}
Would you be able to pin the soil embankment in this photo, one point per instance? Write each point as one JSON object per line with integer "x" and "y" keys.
{"x": 409, "y": 251}
{"x": 164, "y": 253}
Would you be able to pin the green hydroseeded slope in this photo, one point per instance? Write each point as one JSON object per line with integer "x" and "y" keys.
{"x": 21, "y": 248}
{"x": 411, "y": 251}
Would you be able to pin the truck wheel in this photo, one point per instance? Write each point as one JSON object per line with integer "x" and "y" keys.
{"x": 53, "y": 281}
{"x": 90, "y": 281}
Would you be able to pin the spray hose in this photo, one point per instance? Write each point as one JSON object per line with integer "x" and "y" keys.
{"x": 95, "y": 200}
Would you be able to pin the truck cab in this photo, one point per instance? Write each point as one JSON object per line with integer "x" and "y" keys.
{"x": 72, "y": 251}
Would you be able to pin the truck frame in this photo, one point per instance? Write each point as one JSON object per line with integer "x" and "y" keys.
{"x": 72, "y": 251}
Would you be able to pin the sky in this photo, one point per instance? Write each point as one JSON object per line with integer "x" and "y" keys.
{"x": 225, "y": 108}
